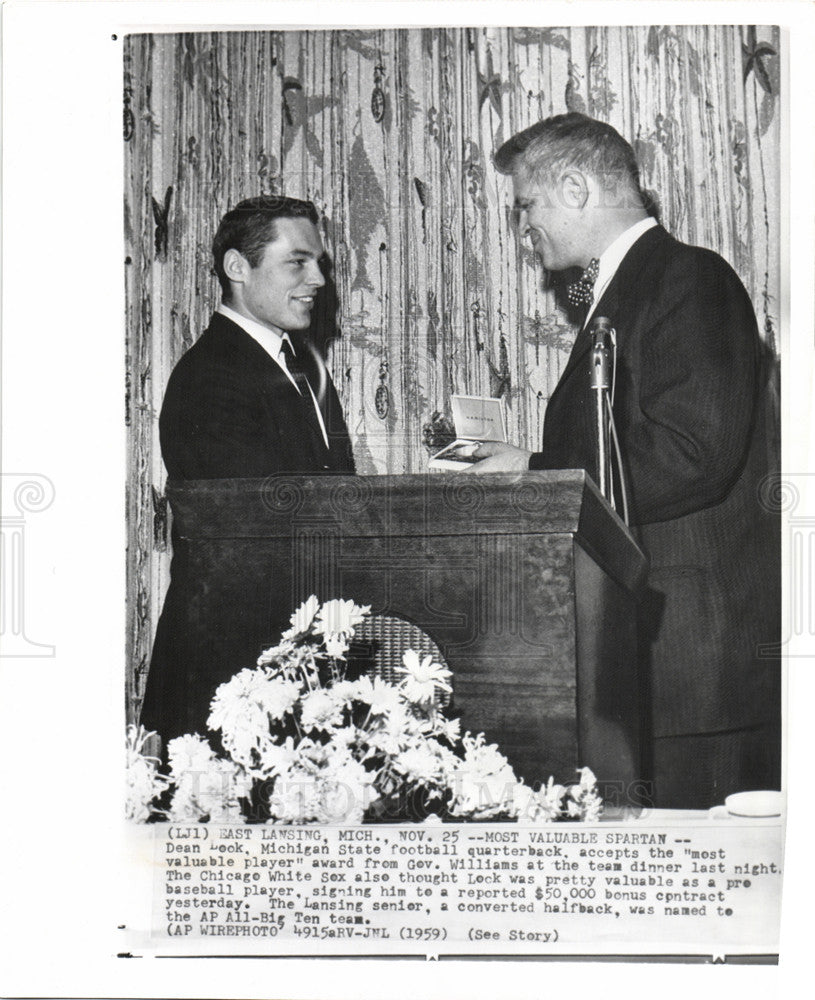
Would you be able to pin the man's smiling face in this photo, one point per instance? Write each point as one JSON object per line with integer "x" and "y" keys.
{"x": 281, "y": 290}
{"x": 544, "y": 215}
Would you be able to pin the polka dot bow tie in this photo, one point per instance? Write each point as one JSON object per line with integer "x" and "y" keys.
{"x": 581, "y": 292}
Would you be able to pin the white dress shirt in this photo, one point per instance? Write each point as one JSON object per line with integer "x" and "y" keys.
{"x": 612, "y": 257}
{"x": 272, "y": 343}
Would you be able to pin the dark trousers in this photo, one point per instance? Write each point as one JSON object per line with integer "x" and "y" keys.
{"x": 700, "y": 771}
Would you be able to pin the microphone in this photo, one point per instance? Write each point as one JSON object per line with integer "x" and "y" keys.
{"x": 602, "y": 363}
{"x": 601, "y": 333}
{"x": 603, "y": 360}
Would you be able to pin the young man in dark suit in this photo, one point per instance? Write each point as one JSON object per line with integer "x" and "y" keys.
{"x": 690, "y": 411}
{"x": 236, "y": 405}
{"x": 250, "y": 399}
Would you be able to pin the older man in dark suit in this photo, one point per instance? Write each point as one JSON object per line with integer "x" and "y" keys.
{"x": 690, "y": 410}
{"x": 251, "y": 398}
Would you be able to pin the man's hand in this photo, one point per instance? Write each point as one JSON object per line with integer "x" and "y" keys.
{"x": 495, "y": 456}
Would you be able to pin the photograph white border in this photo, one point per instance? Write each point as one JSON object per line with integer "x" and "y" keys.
{"x": 63, "y": 406}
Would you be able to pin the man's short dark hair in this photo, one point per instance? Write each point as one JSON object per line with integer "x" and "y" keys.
{"x": 250, "y": 226}
{"x": 544, "y": 150}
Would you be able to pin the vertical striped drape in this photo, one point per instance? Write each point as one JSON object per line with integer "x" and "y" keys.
{"x": 390, "y": 133}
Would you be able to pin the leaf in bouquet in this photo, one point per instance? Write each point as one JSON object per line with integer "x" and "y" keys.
{"x": 143, "y": 783}
{"x": 135, "y": 739}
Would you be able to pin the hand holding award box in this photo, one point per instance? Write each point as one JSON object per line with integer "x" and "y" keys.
{"x": 476, "y": 419}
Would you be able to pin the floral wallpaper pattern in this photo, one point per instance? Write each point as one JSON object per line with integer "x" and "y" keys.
{"x": 390, "y": 133}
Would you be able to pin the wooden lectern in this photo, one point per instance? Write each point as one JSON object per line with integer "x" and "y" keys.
{"x": 527, "y": 584}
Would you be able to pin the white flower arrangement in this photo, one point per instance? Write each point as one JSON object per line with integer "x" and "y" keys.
{"x": 143, "y": 782}
{"x": 307, "y": 744}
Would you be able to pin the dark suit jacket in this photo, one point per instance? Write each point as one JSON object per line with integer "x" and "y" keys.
{"x": 229, "y": 412}
{"x": 697, "y": 442}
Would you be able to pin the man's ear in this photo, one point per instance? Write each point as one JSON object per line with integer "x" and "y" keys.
{"x": 574, "y": 188}
{"x": 236, "y": 266}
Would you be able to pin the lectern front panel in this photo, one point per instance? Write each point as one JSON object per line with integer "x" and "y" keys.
{"x": 518, "y": 582}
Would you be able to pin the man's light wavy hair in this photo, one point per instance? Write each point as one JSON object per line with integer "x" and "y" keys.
{"x": 545, "y": 150}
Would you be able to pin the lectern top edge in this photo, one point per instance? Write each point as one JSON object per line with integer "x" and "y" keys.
{"x": 420, "y": 507}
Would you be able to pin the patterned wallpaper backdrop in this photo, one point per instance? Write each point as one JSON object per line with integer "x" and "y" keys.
{"x": 390, "y": 133}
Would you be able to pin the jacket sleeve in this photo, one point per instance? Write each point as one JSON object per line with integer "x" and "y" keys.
{"x": 686, "y": 428}
{"x": 211, "y": 428}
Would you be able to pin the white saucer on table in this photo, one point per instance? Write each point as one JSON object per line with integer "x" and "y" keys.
{"x": 755, "y": 805}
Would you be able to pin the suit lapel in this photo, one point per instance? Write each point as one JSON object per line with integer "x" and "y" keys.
{"x": 339, "y": 443}
{"x": 609, "y": 304}
{"x": 630, "y": 265}
{"x": 282, "y": 397}
{"x": 256, "y": 359}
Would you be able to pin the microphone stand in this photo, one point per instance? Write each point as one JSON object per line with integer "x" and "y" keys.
{"x": 601, "y": 375}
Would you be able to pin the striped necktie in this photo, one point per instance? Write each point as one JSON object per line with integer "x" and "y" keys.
{"x": 308, "y": 398}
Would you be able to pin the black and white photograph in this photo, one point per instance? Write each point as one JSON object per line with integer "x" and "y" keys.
{"x": 426, "y": 501}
